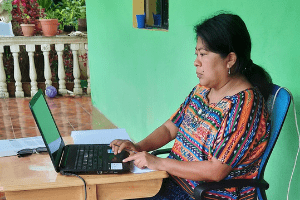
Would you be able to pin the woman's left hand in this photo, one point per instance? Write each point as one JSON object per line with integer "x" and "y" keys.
{"x": 143, "y": 160}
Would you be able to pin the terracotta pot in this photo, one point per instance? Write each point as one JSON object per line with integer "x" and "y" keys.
{"x": 28, "y": 29}
{"x": 49, "y": 27}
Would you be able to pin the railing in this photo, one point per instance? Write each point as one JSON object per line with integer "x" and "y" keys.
{"x": 45, "y": 42}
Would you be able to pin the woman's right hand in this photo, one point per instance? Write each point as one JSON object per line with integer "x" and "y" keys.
{"x": 119, "y": 145}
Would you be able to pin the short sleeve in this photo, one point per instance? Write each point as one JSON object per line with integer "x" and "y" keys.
{"x": 178, "y": 116}
{"x": 242, "y": 130}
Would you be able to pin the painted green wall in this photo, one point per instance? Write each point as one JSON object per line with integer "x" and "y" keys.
{"x": 140, "y": 77}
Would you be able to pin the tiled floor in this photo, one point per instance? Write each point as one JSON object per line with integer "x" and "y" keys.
{"x": 70, "y": 113}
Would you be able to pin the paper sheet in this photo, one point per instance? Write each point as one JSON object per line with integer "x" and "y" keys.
{"x": 10, "y": 147}
{"x": 137, "y": 170}
{"x": 103, "y": 136}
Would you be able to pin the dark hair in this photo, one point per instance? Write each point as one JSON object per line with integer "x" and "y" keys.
{"x": 225, "y": 33}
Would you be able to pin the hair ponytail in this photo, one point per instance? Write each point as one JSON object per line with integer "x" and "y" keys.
{"x": 259, "y": 78}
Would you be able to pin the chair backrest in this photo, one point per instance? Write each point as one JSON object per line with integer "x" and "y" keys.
{"x": 278, "y": 104}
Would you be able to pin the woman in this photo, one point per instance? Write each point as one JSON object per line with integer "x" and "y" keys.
{"x": 220, "y": 130}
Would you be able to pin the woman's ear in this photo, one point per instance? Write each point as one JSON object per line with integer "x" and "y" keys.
{"x": 231, "y": 59}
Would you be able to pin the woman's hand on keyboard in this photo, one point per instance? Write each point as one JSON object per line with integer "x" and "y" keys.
{"x": 119, "y": 145}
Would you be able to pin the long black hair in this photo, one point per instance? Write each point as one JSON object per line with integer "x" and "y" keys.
{"x": 226, "y": 33}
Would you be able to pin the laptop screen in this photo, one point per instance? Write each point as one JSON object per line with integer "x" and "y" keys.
{"x": 47, "y": 127}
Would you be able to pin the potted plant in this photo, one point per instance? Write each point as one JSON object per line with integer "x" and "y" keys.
{"x": 71, "y": 11}
{"x": 68, "y": 19}
{"x": 28, "y": 27}
{"x": 50, "y": 22}
{"x": 28, "y": 18}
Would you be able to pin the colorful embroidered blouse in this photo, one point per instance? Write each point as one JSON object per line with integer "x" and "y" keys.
{"x": 233, "y": 130}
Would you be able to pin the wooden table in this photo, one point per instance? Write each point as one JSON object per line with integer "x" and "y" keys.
{"x": 34, "y": 177}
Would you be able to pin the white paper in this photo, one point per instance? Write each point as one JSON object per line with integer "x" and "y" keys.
{"x": 10, "y": 147}
{"x": 137, "y": 170}
{"x": 103, "y": 136}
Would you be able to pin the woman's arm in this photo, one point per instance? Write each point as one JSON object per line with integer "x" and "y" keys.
{"x": 158, "y": 138}
{"x": 211, "y": 170}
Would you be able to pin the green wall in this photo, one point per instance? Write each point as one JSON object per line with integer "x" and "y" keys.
{"x": 140, "y": 77}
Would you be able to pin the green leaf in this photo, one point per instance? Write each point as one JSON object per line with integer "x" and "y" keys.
{"x": 45, "y": 3}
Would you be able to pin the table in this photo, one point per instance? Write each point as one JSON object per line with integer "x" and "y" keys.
{"x": 34, "y": 177}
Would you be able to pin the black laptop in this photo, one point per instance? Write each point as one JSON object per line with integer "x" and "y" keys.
{"x": 77, "y": 159}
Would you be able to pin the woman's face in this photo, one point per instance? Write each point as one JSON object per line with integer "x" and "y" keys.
{"x": 211, "y": 68}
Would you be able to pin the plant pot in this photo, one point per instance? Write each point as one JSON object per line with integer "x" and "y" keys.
{"x": 28, "y": 29}
{"x": 49, "y": 27}
{"x": 69, "y": 28}
{"x": 82, "y": 25}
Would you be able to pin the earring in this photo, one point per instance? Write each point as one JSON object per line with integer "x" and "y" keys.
{"x": 229, "y": 71}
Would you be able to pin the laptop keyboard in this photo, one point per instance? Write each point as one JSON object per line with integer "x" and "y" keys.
{"x": 89, "y": 157}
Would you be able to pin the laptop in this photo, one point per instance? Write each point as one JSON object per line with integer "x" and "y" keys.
{"x": 76, "y": 159}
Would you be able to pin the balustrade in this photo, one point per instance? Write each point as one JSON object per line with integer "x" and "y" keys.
{"x": 45, "y": 42}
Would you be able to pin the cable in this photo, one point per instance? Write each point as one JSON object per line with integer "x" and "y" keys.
{"x": 70, "y": 174}
{"x": 296, "y": 122}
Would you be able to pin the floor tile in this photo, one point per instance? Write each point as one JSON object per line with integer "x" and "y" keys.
{"x": 26, "y": 132}
{"x": 5, "y": 121}
{"x": 69, "y": 113}
{"x": 7, "y": 133}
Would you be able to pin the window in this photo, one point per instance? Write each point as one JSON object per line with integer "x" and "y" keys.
{"x": 154, "y": 14}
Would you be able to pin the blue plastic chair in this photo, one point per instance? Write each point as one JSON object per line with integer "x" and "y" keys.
{"x": 278, "y": 104}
